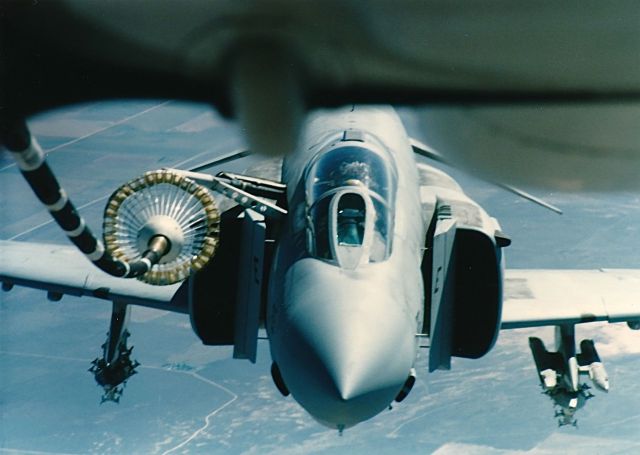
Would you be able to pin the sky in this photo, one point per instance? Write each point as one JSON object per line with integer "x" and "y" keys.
{"x": 189, "y": 398}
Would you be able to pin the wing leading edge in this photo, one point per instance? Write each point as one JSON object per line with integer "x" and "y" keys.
{"x": 553, "y": 297}
{"x": 63, "y": 270}
{"x": 531, "y": 297}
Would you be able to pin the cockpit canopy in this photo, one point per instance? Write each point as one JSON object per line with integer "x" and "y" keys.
{"x": 350, "y": 194}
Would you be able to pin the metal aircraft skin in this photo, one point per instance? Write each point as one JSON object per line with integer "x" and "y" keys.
{"x": 374, "y": 252}
{"x": 542, "y": 93}
{"x": 514, "y": 91}
{"x": 345, "y": 307}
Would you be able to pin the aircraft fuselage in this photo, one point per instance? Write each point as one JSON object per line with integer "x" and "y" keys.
{"x": 346, "y": 292}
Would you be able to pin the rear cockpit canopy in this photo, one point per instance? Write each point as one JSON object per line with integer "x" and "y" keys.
{"x": 350, "y": 193}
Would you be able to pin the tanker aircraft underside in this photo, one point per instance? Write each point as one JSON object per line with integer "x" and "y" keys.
{"x": 350, "y": 258}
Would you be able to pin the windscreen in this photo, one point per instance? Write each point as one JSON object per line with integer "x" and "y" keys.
{"x": 348, "y": 166}
{"x": 350, "y": 192}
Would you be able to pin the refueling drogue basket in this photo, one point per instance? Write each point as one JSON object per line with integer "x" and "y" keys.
{"x": 162, "y": 203}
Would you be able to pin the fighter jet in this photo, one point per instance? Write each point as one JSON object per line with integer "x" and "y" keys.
{"x": 353, "y": 256}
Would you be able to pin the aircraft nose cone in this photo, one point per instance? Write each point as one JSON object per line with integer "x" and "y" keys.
{"x": 344, "y": 361}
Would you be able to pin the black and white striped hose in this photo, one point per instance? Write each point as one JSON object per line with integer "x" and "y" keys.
{"x": 31, "y": 161}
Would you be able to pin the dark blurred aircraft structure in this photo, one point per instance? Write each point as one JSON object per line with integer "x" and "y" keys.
{"x": 540, "y": 94}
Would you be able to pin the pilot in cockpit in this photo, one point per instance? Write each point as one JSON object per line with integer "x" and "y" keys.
{"x": 351, "y": 220}
{"x": 349, "y": 195}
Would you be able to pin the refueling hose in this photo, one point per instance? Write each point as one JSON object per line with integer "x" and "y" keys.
{"x": 32, "y": 163}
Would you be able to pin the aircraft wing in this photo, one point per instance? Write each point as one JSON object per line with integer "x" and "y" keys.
{"x": 63, "y": 270}
{"x": 550, "y": 297}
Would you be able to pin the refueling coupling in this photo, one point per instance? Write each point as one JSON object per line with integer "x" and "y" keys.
{"x": 173, "y": 221}
{"x": 159, "y": 245}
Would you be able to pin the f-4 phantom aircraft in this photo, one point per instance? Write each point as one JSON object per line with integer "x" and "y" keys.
{"x": 350, "y": 259}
